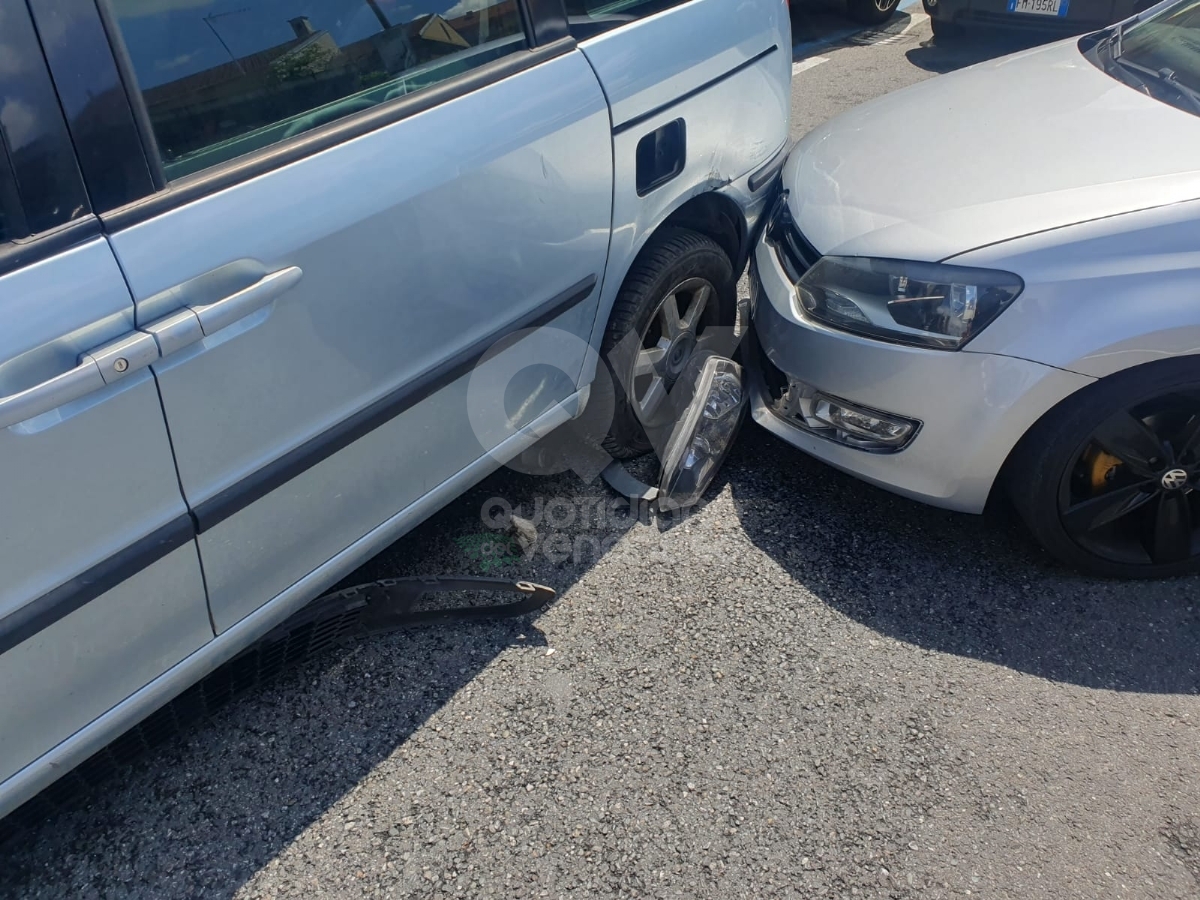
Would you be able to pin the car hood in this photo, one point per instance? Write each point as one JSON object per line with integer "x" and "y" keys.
{"x": 1026, "y": 143}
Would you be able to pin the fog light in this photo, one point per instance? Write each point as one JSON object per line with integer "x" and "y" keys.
{"x": 866, "y": 427}
{"x": 930, "y": 4}
{"x": 712, "y": 398}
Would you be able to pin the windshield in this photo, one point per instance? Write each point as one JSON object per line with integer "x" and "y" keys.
{"x": 1168, "y": 41}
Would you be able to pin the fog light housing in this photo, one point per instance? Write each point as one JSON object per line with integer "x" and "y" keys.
{"x": 864, "y": 427}
{"x": 712, "y": 400}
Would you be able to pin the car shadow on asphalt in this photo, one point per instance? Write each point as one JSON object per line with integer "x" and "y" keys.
{"x": 943, "y": 55}
{"x": 203, "y": 813}
{"x": 974, "y": 586}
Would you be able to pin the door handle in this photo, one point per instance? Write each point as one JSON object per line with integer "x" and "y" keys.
{"x": 138, "y": 349}
{"x": 224, "y": 312}
{"x": 52, "y": 393}
{"x": 99, "y": 367}
{"x": 194, "y": 322}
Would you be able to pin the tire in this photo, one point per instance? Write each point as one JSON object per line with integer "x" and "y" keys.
{"x": 871, "y": 12}
{"x": 945, "y": 29}
{"x": 1094, "y": 510}
{"x": 672, "y": 258}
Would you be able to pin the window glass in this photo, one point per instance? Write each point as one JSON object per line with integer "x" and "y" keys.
{"x": 1169, "y": 40}
{"x": 588, "y": 18}
{"x": 40, "y": 186}
{"x": 11, "y": 216}
{"x": 222, "y": 78}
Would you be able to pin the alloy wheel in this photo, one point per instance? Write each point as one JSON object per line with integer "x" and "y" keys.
{"x": 681, "y": 325}
{"x": 1129, "y": 495}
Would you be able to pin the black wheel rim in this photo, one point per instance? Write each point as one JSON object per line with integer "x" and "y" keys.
{"x": 1129, "y": 495}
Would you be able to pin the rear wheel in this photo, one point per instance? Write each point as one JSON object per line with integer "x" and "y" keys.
{"x": 945, "y": 29}
{"x": 871, "y": 12}
{"x": 1108, "y": 482}
{"x": 676, "y": 300}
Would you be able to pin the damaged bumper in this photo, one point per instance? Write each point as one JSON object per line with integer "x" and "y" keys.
{"x": 932, "y": 425}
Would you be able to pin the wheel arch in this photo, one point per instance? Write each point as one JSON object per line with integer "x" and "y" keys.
{"x": 715, "y": 216}
{"x": 709, "y": 212}
{"x": 1188, "y": 363}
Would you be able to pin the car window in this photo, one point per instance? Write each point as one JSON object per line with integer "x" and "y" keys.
{"x": 40, "y": 185}
{"x": 221, "y": 78}
{"x": 1168, "y": 40}
{"x": 11, "y": 217}
{"x": 588, "y": 18}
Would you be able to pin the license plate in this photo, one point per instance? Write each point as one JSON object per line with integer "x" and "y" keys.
{"x": 1039, "y": 7}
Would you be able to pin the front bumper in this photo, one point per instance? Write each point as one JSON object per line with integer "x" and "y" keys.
{"x": 972, "y": 407}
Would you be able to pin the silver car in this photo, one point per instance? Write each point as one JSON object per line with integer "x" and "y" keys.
{"x": 278, "y": 280}
{"x": 1014, "y": 309}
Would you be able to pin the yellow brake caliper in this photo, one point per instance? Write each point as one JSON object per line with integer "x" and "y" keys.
{"x": 1101, "y": 467}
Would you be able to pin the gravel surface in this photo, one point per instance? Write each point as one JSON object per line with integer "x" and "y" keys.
{"x": 806, "y": 688}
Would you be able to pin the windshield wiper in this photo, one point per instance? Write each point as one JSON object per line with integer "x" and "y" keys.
{"x": 1163, "y": 76}
{"x": 1116, "y": 40}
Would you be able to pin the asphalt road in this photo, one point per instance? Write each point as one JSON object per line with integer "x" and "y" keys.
{"x": 807, "y": 688}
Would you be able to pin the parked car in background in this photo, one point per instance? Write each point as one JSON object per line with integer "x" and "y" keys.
{"x": 871, "y": 12}
{"x": 948, "y": 18}
{"x": 868, "y": 12}
{"x": 1016, "y": 312}
{"x": 250, "y": 258}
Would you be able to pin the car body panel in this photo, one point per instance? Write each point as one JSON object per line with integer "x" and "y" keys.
{"x": 968, "y": 187}
{"x": 84, "y": 482}
{"x": 638, "y": 77}
{"x": 94, "y": 736}
{"x": 734, "y": 127}
{"x": 1101, "y": 296}
{"x": 473, "y": 226}
{"x": 973, "y": 407}
{"x": 75, "y": 670}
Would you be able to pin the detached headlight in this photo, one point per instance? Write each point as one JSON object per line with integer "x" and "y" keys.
{"x": 926, "y": 304}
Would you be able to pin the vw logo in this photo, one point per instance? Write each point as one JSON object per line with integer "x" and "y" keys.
{"x": 1174, "y": 479}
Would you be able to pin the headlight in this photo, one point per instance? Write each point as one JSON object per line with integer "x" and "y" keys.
{"x": 926, "y": 304}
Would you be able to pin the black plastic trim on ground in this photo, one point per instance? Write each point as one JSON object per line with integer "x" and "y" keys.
{"x": 335, "y": 619}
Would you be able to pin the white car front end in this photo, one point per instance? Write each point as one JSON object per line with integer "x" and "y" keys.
{"x": 1069, "y": 192}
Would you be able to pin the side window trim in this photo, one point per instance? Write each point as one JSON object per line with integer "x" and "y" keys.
{"x": 547, "y": 32}
{"x": 137, "y": 105}
{"x": 546, "y": 21}
{"x": 27, "y": 251}
{"x": 95, "y": 101}
{"x": 58, "y": 215}
{"x": 13, "y": 222}
{"x": 259, "y": 162}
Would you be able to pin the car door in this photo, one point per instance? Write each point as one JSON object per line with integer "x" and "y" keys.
{"x": 101, "y": 589}
{"x": 357, "y": 200}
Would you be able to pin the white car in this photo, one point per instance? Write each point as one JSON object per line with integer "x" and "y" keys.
{"x": 1016, "y": 306}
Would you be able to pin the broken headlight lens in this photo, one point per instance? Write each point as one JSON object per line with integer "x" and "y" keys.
{"x": 925, "y": 304}
{"x": 716, "y": 399}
